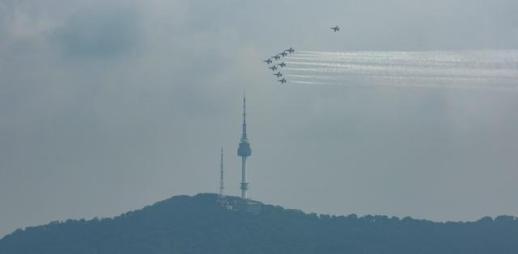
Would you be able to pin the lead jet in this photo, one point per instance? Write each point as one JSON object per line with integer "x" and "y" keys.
{"x": 268, "y": 61}
{"x": 283, "y": 64}
{"x": 278, "y": 74}
{"x": 277, "y": 57}
{"x": 290, "y": 50}
{"x": 273, "y": 68}
{"x": 336, "y": 28}
{"x": 282, "y": 80}
{"x": 284, "y": 53}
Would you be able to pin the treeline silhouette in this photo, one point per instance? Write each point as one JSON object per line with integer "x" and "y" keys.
{"x": 204, "y": 224}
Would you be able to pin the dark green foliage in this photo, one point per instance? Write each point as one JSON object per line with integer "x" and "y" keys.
{"x": 200, "y": 225}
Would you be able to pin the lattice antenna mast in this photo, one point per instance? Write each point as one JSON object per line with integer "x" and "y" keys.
{"x": 221, "y": 175}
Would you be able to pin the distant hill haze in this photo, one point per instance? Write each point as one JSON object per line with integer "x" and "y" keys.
{"x": 205, "y": 224}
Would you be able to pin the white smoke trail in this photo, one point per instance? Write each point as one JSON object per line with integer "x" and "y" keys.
{"x": 488, "y": 69}
{"x": 302, "y": 82}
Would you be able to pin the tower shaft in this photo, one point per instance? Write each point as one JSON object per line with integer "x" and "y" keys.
{"x": 244, "y": 184}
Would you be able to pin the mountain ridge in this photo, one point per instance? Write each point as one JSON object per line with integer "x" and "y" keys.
{"x": 205, "y": 223}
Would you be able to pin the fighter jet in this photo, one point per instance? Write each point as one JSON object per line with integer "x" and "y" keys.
{"x": 268, "y": 61}
{"x": 273, "y": 68}
{"x": 283, "y": 64}
{"x": 284, "y": 53}
{"x": 290, "y": 50}
{"x": 335, "y": 29}
{"x": 278, "y": 74}
{"x": 282, "y": 80}
{"x": 277, "y": 57}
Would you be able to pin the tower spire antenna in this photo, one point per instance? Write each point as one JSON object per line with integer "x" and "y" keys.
{"x": 244, "y": 152}
{"x": 244, "y": 117}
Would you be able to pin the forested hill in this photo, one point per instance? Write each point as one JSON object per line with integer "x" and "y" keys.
{"x": 202, "y": 224}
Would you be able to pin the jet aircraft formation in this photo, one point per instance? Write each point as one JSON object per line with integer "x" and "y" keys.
{"x": 273, "y": 65}
{"x": 272, "y": 62}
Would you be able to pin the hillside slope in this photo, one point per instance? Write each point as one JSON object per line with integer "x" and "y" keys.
{"x": 200, "y": 224}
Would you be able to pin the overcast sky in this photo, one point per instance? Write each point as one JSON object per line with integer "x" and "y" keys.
{"x": 107, "y": 106}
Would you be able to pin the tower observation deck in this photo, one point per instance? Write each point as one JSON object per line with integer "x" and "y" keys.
{"x": 244, "y": 151}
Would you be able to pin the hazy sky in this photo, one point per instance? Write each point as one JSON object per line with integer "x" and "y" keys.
{"x": 107, "y": 106}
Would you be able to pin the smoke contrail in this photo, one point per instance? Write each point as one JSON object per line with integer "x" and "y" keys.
{"x": 490, "y": 68}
